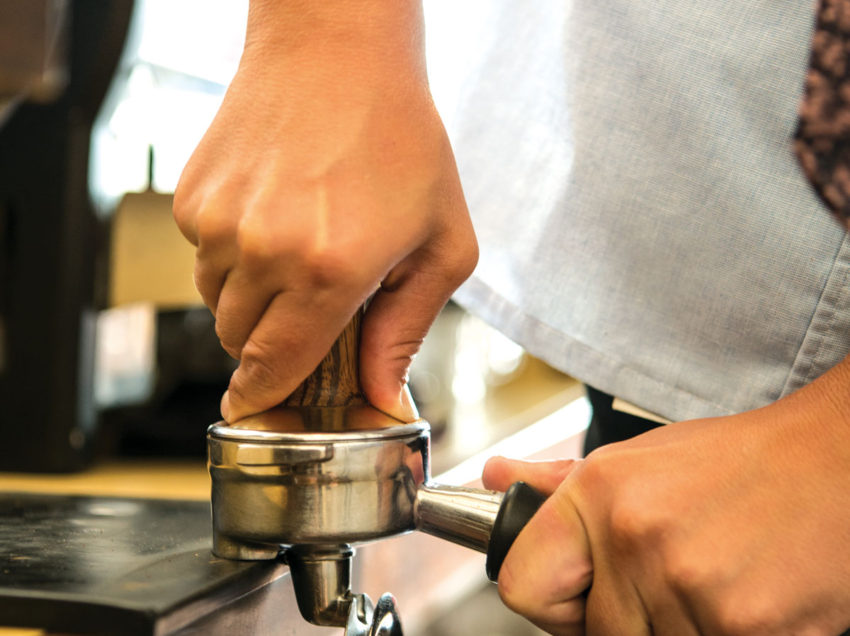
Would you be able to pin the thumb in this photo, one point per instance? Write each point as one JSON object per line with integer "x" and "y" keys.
{"x": 394, "y": 327}
{"x": 545, "y": 476}
{"x": 400, "y": 313}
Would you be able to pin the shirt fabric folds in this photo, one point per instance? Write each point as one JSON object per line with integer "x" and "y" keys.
{"x": 643, "y": 220}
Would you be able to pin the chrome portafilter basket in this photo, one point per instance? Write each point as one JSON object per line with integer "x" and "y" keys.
{"x": 311, "y": 480}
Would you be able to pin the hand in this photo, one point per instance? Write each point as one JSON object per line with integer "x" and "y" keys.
{"x": 548, "y": 568}
{"x": 733, "y": 525}
{"x": 325, "y": 177}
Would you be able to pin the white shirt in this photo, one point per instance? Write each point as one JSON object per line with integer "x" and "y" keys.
{"x": 643, "y": 222}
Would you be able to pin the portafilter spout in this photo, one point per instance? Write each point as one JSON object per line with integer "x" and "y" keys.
{"x": 326, "y": 471}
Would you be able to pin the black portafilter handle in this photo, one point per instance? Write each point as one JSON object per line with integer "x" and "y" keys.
{"x": 518, "y": 506}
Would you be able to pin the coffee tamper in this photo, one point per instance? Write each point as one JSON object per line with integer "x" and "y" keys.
{"x": 309, "y": 480}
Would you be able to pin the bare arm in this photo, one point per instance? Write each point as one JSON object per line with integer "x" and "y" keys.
{"x": 325, "y": 177}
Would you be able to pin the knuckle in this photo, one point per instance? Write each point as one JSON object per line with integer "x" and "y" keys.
{"x": 325, "y": 266}
{"x": 635, "y": 528}
{"x": 458, "y": 264}
{"x": 571, "y": 617}
{"x": 181, "y": 210}
{"x": 184, "y": 213}
{"x": 685, "y": 571}
{"x": 205, "y": 284}
{"x": 258, "y": 373}
{"x": 385, "y": 366}
{"x": 213, "y": 223}
{"x": 520, "y": 594}
{"x": 228, "y": 339}
{"x": 467, "y": 260}
{"x": 183, "y": 204}
{"x": 208, "y": 280}
{"x": 594, "y": 474}
{"x": 632, "y": 526}
{"x": 320, "y": 262}
{"x": 745, "y": 615}
{"x": 256, "y": 241}
{"x": 511, "y": 590}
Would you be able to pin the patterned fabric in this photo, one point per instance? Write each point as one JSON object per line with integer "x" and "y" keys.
{"x": 823, "y": 135}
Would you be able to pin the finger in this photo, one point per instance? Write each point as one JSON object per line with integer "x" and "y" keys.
{"x": 395, "y": 324}
{"x": 215, "y": 257}
{"x": 412, "y": 294}
{"x": 195, "y": 204}
{"x": 287, "y": 344}
{"x": 185, "y": 206}
{"x": 211, "y": 229}
{"x": 210, "y": 277}
{"x": 545, "y": 476}
{"x": 391, "y": 335}
{"x": 548, "y": 568}
{"x": 240, "y": 305}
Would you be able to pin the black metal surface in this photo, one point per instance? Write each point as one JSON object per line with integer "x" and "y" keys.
{"x": 97, "y": 565}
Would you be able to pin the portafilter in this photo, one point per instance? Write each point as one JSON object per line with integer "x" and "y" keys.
{"x": 309, "y": 479}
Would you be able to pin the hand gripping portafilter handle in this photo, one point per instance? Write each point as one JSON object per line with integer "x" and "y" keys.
{"x": 518, "y": 506}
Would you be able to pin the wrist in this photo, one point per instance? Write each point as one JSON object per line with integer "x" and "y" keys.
{"x": 828, "y": 397}
{"x": 818, "y": 416}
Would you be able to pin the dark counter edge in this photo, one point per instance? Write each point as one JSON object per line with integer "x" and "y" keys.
{"x": 79, "y": 614}
{"x": 76, "y": 614}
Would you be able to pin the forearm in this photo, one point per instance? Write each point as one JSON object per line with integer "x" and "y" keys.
{"x": 331, "y": 80}
{"x": 357, "y": 42}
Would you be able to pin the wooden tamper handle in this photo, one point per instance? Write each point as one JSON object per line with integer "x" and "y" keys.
{"x": 336, "y": 381}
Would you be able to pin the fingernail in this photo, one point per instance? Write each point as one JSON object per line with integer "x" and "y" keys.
{"x": 409, "y": 412}
{"x": 225, "y": 406}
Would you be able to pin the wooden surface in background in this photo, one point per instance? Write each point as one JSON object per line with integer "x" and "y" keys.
{"x": 150, "y": 260}
{"x": 178, "y": 479}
